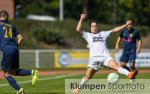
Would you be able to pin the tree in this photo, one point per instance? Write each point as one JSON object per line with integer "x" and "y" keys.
{"x": 105, "y": 11}
{"x": 114, "y": 12}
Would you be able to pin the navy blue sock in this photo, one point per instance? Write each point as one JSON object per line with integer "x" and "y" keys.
{"x": 133, "y": 68}
{"x": 22, "y": 72}
{"x": 13, "y": 82}
{"x": 127, "y": 68}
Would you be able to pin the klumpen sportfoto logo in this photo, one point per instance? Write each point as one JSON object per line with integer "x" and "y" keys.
{"x": 101, "y": 85}
{"x": 90, "y": 86}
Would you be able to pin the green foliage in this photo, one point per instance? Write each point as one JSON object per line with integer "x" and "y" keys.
{"x": 144, "y": 30}
{"x": 61, "y": 34}
{"x": 54, "y": 4}
{"x": 41, "y": 7}
{"x": 138, "y": 10}
{"x": 101, "y": 10}
{"x": 45, "y": 33}
{"x": 35, "y": 7}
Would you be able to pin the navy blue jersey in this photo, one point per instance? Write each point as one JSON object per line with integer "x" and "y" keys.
{"x": 8, "y": 46}
{"x": 7, "y": 34}
{"x": 130, "y": 38}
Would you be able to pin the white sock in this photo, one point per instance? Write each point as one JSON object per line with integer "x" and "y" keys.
{"x": 123, "y": 71}
{"x": 83, "y": 81}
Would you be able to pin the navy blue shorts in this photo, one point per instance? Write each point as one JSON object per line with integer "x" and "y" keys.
{"x": 128, "y": 56}
{"x": 10, "y": 60}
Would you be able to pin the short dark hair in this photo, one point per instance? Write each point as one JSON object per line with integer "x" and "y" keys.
{"x": 92, "y": 21}
{"x": 5, "y": 14}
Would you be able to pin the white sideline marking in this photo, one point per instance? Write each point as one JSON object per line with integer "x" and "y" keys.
{"x": 43, "y": 79}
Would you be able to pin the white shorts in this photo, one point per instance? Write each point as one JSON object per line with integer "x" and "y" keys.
{"x": 96, "y": 62}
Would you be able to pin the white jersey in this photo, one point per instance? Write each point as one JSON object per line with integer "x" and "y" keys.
{"x": 97, "y": 43}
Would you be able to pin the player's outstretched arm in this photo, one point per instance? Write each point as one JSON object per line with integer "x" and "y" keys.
{"x": 82, "y": 17}
{"x": 117, "y": 43}
{"x": 121, "y": 27}
{"x": 19, "y": 39}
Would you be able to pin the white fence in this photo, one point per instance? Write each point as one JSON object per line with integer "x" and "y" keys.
{"x": 35, "y": 58}
{"x": 45, "y": 58}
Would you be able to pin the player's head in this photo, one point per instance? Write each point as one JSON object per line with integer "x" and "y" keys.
{"x": 93, "y": 26}
{"x": 4, "y": 15}
{"x": 130, "y": 25}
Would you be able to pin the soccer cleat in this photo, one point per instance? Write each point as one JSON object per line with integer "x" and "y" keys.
{"x": 34, "y": 76}
{"x": 132, "y": 80}
{"x": 132, "y": 74}
{"x": 21, "y": 91}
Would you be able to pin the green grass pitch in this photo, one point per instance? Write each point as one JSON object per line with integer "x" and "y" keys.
{"x": 51, "y": 84}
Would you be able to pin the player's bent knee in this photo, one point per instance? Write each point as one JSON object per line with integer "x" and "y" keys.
{"x": 6, "y": 73}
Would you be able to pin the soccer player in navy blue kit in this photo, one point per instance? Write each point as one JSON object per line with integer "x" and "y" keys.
{"x": 132, "y": 46}
{"x": 10, "y": 51}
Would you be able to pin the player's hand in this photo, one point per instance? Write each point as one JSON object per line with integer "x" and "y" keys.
{"x": 138, "y": 51}
{"x": 83, "y": 16}
{"x": 128, "y": 22}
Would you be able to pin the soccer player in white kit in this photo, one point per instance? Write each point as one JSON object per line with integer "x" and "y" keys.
{"x": 99, "y": 53}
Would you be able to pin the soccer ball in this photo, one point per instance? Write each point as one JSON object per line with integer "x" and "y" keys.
{"x": 113, "y": 78}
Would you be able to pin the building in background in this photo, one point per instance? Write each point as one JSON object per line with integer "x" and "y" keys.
{"x": 8, "y": 5}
